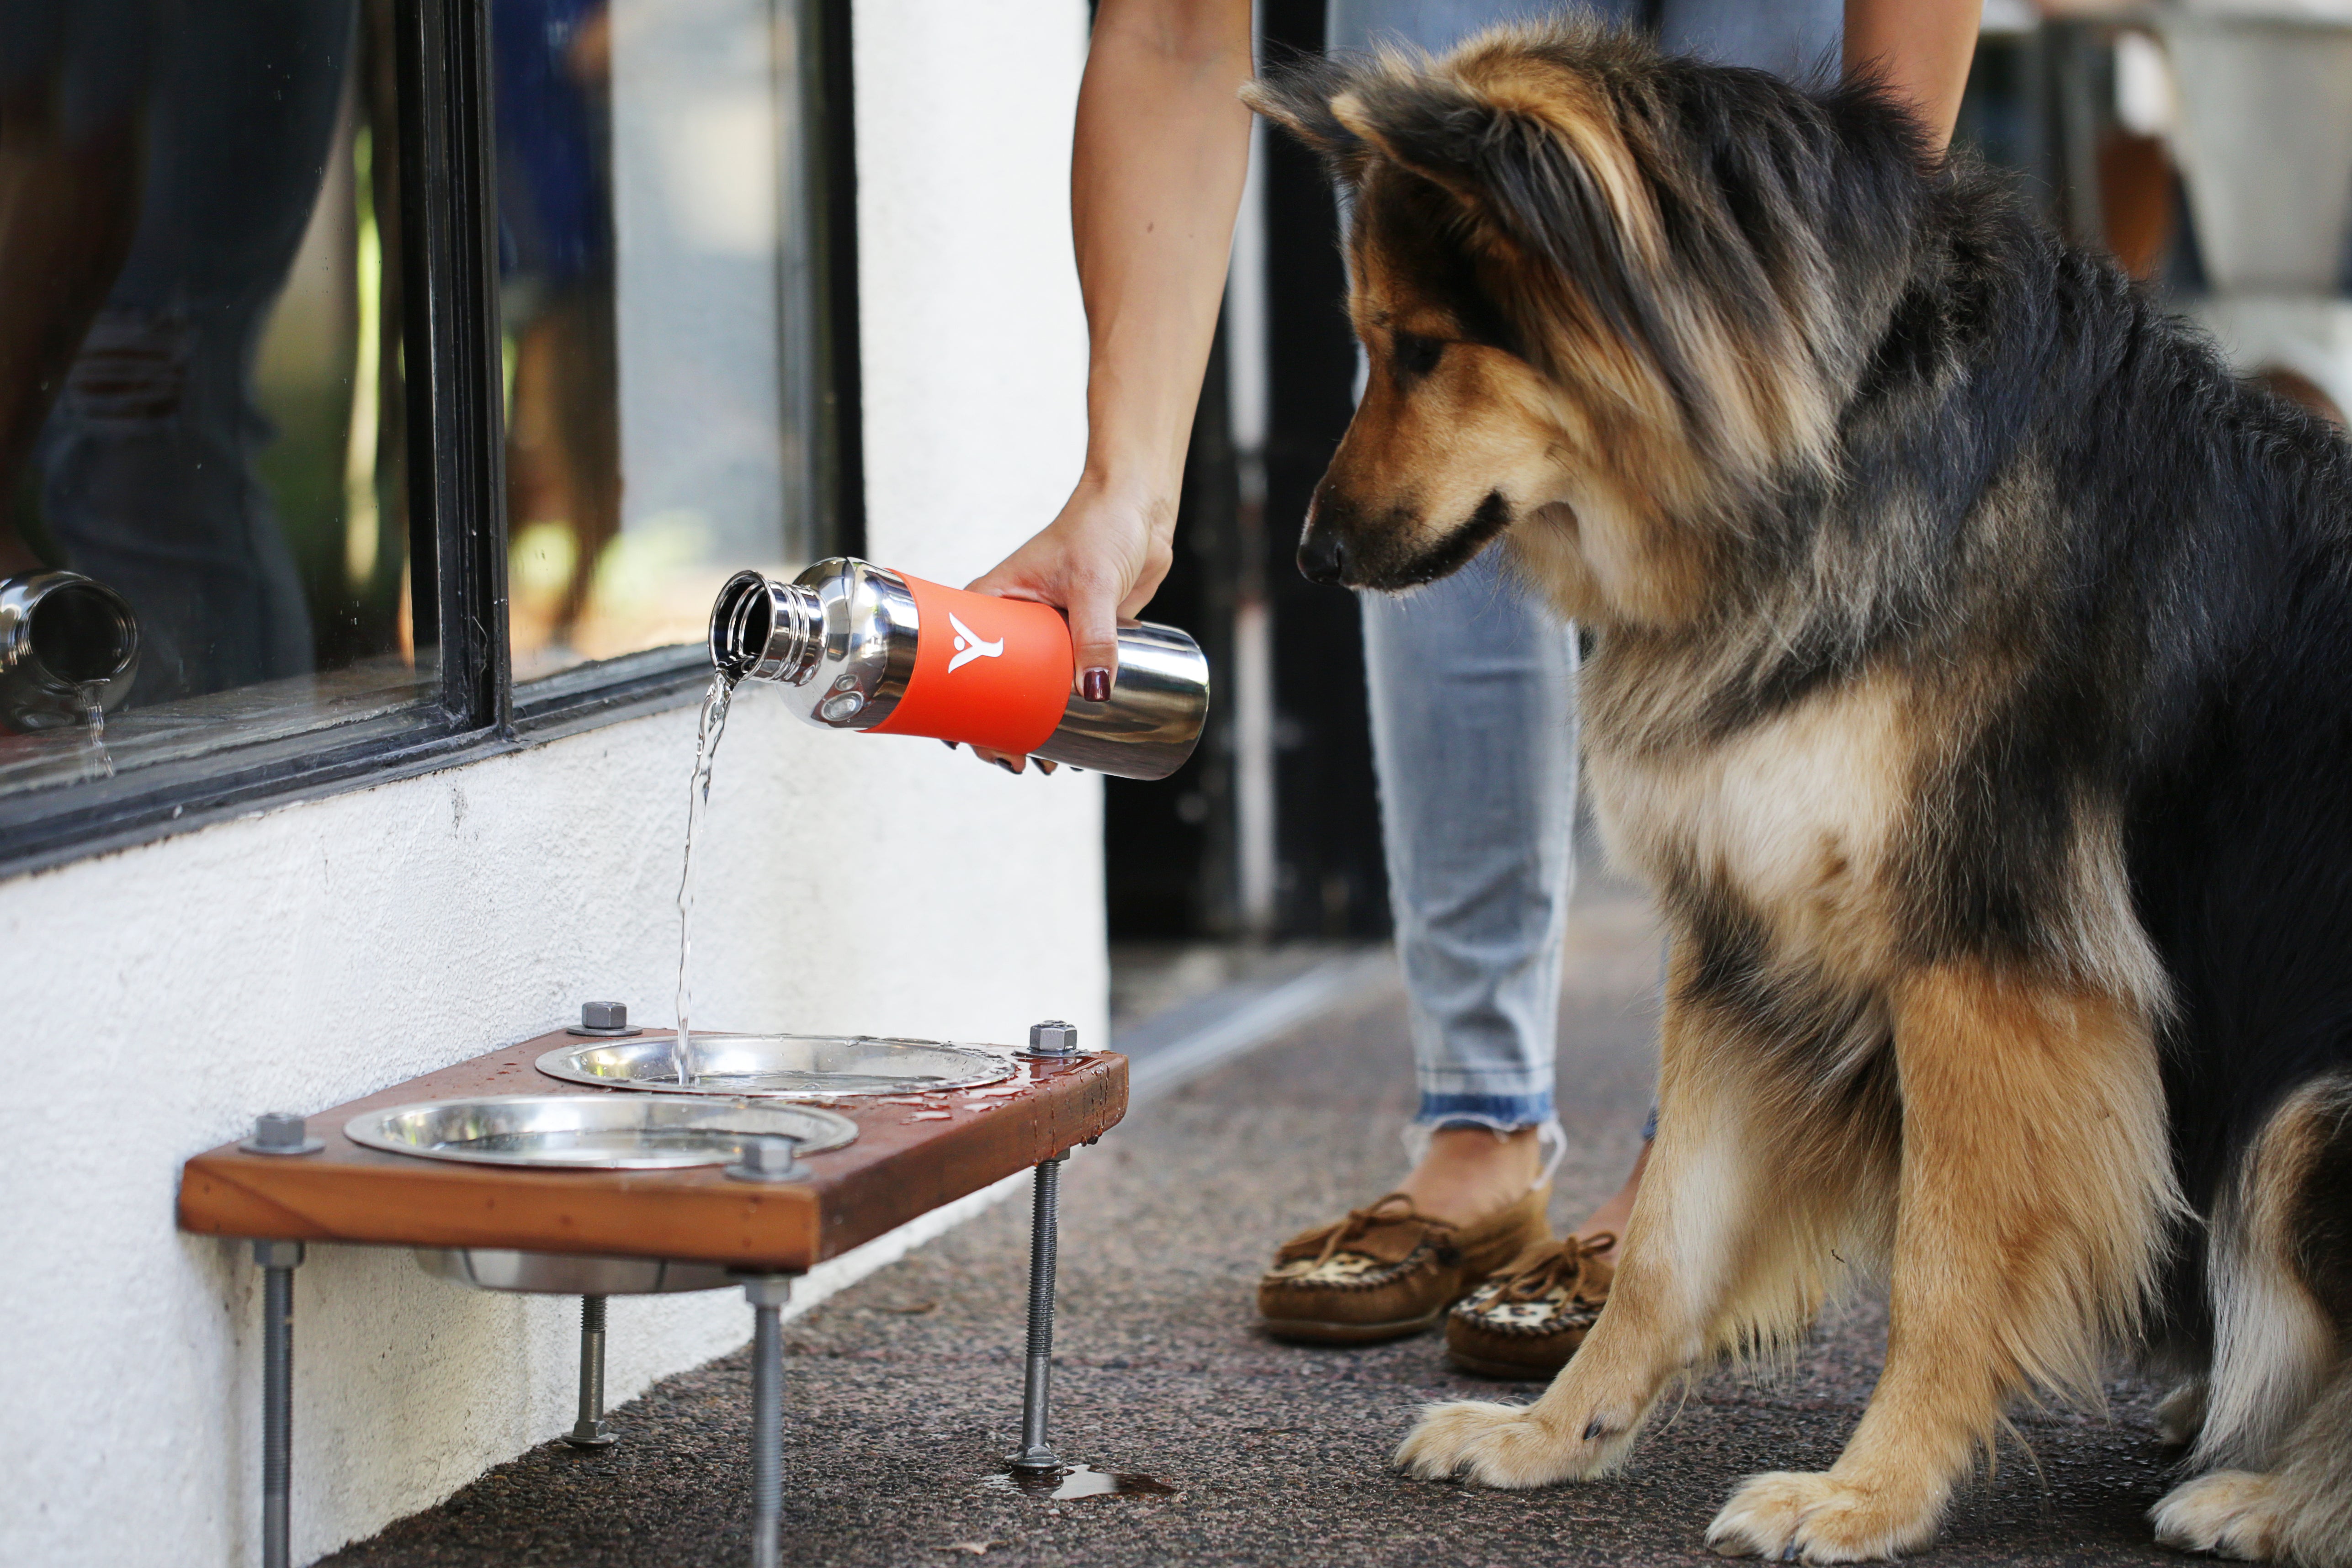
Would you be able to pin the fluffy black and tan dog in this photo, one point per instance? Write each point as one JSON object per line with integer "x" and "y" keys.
{"x": 1973, "y": 677}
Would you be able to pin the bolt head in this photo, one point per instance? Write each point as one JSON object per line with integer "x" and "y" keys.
{"x": 1053, "y": 1038}
{"x": 603, "y": 1015}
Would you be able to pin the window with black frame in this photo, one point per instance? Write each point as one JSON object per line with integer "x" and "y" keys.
{"x": 660, "y": 329}
{"x": 327, "y": 324}
{"x": 205, "y": 536}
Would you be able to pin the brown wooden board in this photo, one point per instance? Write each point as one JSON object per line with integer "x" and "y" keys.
{"x": 904, "y": 1164}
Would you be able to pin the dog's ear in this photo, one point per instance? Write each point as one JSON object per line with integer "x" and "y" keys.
{"x": 1551, "y": 183}
{"x": 1519, "y": 174}
{"x": 1296, "y": 94}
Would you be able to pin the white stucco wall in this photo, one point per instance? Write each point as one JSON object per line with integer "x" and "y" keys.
{"x": 162, "y": 996}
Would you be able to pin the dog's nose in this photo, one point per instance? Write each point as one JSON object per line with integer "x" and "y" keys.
{"x": 1321, "y": 556}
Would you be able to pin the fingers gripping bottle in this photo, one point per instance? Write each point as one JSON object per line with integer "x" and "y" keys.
{"x": 877, "y": 650}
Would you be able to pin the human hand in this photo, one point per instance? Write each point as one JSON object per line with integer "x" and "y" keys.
{"x": 1102, "y": 558}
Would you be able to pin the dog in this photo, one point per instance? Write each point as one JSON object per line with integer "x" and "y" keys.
{"x": 1973, "y": 682}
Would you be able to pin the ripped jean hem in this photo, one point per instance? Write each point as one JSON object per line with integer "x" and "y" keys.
{"x": 1504, "y": 1113}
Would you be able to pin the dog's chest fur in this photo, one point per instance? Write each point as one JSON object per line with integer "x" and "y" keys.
{"x": 1793, "y": 816}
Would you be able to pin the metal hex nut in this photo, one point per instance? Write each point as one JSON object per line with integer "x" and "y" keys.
{"x": 767, "y": 1290}
{"x": 277, "y": 1130}
{"x": 605, "y": 1018}
{"x": 280, "y": 1133}
{"x": 1053, "y": 1038}
{"x": 769, "y": 1159}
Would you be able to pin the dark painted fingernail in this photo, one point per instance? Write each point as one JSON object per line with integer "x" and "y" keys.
{"x": 949, "y": 744}
{"x": 1007, "y": 765}
{"x": 1095, "y": 684}
{"x": 1045, "y": 766}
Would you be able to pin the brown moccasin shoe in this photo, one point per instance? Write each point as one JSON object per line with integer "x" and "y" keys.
{"x": 1388, "y": 1270}
{"x": 1529, "y": 1319}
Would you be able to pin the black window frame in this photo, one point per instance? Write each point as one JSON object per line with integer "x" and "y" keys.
{"x": 455, "y": 480}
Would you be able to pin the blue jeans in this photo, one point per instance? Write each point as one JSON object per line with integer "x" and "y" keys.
{"x": 1472, "y": 685}
{"x": 148, "y": 454}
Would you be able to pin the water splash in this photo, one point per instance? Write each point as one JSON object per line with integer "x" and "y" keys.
{"x": 715, "y": 704}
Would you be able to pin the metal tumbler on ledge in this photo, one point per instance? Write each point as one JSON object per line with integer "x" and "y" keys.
{"x": 877, "y": 650}
{"x": 68, "y": 645}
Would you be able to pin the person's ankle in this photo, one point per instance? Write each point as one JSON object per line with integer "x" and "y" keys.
{"x": 1470, "y": 1173}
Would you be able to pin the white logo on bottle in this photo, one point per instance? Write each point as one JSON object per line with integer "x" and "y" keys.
{"x": 970, "y": 647}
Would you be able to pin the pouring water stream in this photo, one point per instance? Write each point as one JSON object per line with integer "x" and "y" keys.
{"x": 93, "y": 705}
{"x": 715, "y": 704}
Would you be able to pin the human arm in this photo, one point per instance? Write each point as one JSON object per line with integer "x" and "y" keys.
{"x": 1920, "y": 50}
{"x": 1161, "y": 144}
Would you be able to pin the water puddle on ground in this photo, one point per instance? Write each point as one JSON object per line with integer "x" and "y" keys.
{"x": 1076, "y": 1481}
{"x": 706, "y": 753}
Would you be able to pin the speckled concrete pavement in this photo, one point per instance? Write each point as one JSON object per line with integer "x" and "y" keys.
{"x": 905, "y": 1391}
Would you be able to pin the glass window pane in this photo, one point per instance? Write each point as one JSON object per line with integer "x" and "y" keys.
{"x": 200, "y": 380}
{"x": 657, "y": 301}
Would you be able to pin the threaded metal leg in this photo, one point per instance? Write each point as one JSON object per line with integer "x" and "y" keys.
{"x": 766, "y": 1297}
{"x": 1036, "y": 1451}
{"x": 277, "y": 1261}
{"x": 590, "y": 1430}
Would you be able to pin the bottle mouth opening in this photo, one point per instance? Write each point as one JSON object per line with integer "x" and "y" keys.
{"x": 83, "y": 634}
{"x": 741, "y": 621}
{"x": 766, "y": 630}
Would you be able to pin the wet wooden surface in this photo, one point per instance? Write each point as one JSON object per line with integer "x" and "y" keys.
{"x": 908, "y": 1160}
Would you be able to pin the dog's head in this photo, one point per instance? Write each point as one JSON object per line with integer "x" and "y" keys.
{"x": 1608, "y": 301}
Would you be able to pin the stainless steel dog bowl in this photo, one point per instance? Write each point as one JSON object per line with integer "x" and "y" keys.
{"x": 592, "y": 1131}
{"x": 559, "y": 1274}
{"x": 778, "y": 1066}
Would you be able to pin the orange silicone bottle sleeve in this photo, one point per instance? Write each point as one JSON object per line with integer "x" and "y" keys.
{"x": 991, "y": 671}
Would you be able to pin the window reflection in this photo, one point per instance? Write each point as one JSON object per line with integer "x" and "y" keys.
{"x": 199, "y": 369}
{"x": 652, "y": 252}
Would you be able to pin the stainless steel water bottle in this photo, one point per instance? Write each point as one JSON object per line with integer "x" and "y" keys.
{"x": 68, "y": 645}
{"x": 877, "y": 650}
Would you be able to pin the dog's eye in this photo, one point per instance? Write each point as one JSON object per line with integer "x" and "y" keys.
{"x": 1413, "y": 355}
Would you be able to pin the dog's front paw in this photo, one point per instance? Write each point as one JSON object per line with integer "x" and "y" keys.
{"x": 2230, "y": 1513}
{"x": 1508, "y": 1446}
{"x": 1820, "y": 1518}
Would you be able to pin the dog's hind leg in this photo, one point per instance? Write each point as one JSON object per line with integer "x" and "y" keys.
{"x": 2034, "y": 1193}
{"x": 2180, "y": 1414}
{"x": 1728, "y": 1248}
{"x": 2300, "y": 1512}
{"x": 2281, "y": 1411}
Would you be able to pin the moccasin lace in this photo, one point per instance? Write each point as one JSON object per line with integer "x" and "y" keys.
{"x": 1564, "y": 1262}
{"x": 1396, "y": 1208}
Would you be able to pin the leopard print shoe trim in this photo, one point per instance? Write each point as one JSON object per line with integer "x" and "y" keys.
{"x": 1371, "y": 1247}
{"x": 1529, "y": 1319}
